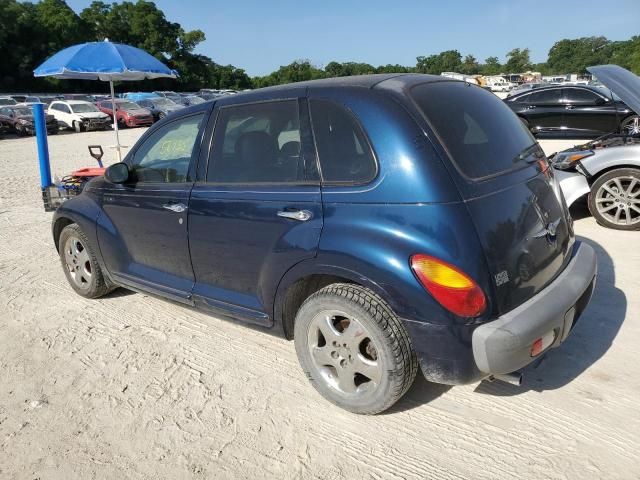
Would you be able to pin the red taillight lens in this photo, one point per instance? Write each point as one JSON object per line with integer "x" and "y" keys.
{"x": 452, "y": 288}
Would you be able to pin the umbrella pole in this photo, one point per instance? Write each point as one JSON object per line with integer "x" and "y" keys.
{"x": 115, "y": 119}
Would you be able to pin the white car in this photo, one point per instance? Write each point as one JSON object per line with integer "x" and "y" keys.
{"x": 79, "y": 115}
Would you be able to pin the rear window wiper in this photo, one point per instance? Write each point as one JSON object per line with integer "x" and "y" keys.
{"x": 530, "y": 154}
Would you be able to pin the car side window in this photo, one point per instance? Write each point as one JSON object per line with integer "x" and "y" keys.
{"x": 547, "y": 97}
{"x": 580, "y": 96}
{"x": 345, "y": 154}
{"x": 64, "y": 108}
{"x": 257, "y": 143}
{"x": 165, "y": 156}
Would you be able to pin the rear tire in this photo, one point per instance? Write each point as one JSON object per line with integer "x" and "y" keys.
{"x": 80, "y": 264}
{"x": 354, "y": 349}
{"x": 614, "y": 200}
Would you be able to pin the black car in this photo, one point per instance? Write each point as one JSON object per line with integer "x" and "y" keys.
{"x": 19, "y": 119}
{"x": 571, "y": 111}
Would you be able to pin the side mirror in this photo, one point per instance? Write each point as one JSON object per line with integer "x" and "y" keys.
{"x": 117, "y": 173}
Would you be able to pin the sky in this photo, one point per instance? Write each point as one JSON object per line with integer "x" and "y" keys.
{"x": 260, "y": 36}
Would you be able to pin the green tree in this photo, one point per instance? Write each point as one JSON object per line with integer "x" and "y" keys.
{"x": 448, "y": 61}
{"x": 470, "y": 65}
{"x": 491, "y": 66}
{"x": 574, "y": 56}
{"x": 517, "y": 61}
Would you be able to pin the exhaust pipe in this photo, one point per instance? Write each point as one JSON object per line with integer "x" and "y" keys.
{"x": 514, "y": 378}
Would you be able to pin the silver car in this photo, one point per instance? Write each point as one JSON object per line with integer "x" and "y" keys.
{"x": 607, "y": 169}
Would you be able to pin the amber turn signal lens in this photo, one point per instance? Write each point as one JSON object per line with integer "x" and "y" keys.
{"x": 452, "y": 288}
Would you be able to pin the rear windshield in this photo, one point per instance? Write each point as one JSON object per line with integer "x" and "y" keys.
{"x": 481, "y": 134}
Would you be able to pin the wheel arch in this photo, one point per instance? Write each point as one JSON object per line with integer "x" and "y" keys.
{"x": 306, "y": 278}
{"x": 58, "y": 225}
{"x": 595, "y": 176}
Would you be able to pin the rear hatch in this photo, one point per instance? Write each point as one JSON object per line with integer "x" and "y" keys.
{"x": 504, "y": 178}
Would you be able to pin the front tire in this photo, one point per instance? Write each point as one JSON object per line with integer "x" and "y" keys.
{"x": 80, "y": 264}
{"x": 631, "y": 126}
{"x": 614, "y": 200}
{"x": 77, "y": 126}
{"x": 354, "y": 349}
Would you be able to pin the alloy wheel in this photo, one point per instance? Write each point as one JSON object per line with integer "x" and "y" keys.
{"x": 343, "y": 352}
{"x": 632, "y": 127}
{"x": 78, "y": 263}
{"x": 618, "y": 200}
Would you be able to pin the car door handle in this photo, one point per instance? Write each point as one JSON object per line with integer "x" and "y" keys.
{"x": 530, "y": 107}
{"x": 569, "y": 107}
{"x": 175, "y": 207}
{"x": 301, "y": 215}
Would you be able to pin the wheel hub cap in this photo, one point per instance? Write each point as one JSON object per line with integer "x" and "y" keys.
{"x": 344, "y": 354}
{"x": 618, "y": 200}
{"x": 78, "y": 263}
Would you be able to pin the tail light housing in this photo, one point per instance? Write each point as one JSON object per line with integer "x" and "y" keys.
{"x": 451, "y": 287}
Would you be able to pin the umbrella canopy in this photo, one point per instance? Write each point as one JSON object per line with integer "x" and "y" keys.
{"x": 104, "y": 61}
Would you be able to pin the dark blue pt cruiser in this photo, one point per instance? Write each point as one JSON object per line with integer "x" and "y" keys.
{"x": 382, "y": 222}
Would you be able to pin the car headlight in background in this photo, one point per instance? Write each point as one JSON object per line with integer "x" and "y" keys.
{"x": 568, "y": 160}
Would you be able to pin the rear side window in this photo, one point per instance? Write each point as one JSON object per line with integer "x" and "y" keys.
{"x": 580, "y": 95}
{"x": 481, "y": 134}
{"x": 545, "y": 96}
{"x": 345, "y": 154}
{"x": 257, "y": 143}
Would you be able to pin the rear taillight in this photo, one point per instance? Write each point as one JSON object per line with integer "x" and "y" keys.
{"x": 452, "y": 288}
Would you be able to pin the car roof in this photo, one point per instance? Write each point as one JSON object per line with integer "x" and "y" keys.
{"x": 72, "y": 102}
{"x": 390, "y": 81}
{"x": 556, "y": 87}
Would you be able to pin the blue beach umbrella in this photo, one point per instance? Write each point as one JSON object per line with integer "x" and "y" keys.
{"x": 104, "y": 61}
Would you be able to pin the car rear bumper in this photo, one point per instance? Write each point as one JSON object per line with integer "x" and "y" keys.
{"x": 504, "y": 345}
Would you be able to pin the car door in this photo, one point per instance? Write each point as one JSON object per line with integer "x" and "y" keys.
{"x": 543, "y": 110}
{"x": 257, "y": 212}
{"x": 143, "y": 232}
{"x": 587, "y": 113}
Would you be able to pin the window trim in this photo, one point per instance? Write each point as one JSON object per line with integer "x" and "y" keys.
{"x": 190, "y": 178}
{"x": 368, "y": 146}
{"x": 445, "y": 149}
{"x": 566, "y": 88}
{"x": 216, "y": 124}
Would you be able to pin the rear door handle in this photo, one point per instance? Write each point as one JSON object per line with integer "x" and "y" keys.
{"x": 175, "y": 207}
{"x": 300, "y": 215}
{"x": 569, "y": 107}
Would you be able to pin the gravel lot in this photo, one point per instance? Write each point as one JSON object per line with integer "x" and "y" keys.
{"x": 131, "y": 386}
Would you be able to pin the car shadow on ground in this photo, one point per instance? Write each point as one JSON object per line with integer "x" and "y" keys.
{"x": 420, "y": 393}
{"x": 593, "y": 336}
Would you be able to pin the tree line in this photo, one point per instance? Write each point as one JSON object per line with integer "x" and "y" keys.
{"x": 31, "y": 32}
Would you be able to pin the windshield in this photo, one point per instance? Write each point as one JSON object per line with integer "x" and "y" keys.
{"x": 195, "y": 100}
{"x": 22, "y": 112}
{"x": 32, "y": 99}
{"x": 163, "y": 102}
{"x": 608, "y": 93}
{"x": 127, "y": 106}
{"x": 481, "y": 134}
{"x": 7, "y": 101}
{"x": 83, "y": 108}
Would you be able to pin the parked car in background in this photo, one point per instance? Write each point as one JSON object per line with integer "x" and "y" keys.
{"x": 4, "y": 101}
{"x": 19, "y": 98}
{"x": 571, "y": 111}
{"x": 19, "y": 119}
{"x": 137, "y": 96}
{"x": 497, "y": 83}
{"x": 129, "y": 114}
{"x": 189, "y": 100}
{"x": 79, "y": 116}
{"x": 165, "y": 93}
{"x": 383, "y": 222}
{"x": 527, "y": 87}
{"x": 30, "y": 100}
{"x": 160, "y": 107}
{"x": 79, "y": 96}
{"x": 607, "y": 169}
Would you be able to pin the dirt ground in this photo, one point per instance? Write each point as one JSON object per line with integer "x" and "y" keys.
{"x": 131, "y": 386}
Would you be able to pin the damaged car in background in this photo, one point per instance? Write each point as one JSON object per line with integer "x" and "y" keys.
{"x": 607, "y": 169}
